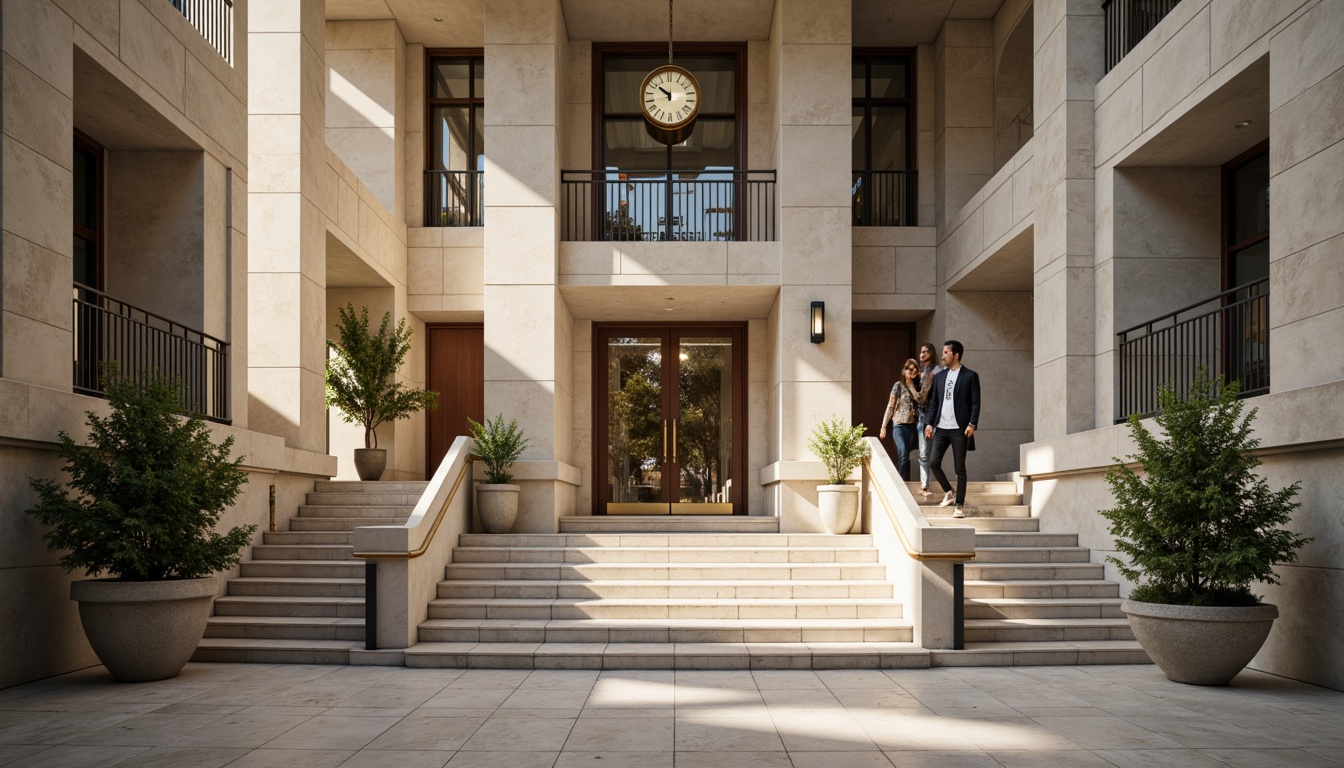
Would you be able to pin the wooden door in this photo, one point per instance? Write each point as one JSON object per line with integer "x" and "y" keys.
{"x": 878, "y": 351}
{"x": 455, "y": 368}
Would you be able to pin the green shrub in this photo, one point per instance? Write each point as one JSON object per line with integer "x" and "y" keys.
{"x": 1198, "y": 526}
{"x": 150, "y": 489}
{"x": 839, "y": 446}
{"x": 361, "y": 375}
{"x": 499, "y": 446}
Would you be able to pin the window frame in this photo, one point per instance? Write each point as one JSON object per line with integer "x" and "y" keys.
{"x": 867, "y": 101}
{"x": 471, "y": 56}
{"x": 83, "y": 141}
{"x": 1228, "y": 223}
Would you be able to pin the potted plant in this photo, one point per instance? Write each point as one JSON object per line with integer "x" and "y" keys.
{"x": 1197, "y": 527}
{"x": 361, "y": 382}
{"x": 841, "y": 448}
{"x": 149, "y": 490}
{"x": 498, "y": 446}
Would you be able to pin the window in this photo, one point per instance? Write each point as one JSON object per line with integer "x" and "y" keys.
{"x": 1246, "y": 218}
{"x": 455, "y": 111}
{"x": 882, "y": 150}
{"x": 88, "y": 212}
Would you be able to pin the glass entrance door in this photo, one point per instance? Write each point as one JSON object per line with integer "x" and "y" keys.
{"x": 668, "y": 403}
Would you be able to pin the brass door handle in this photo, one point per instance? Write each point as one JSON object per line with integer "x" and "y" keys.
{"x": 664, "y": 441}
{"x": 674, "y": 441}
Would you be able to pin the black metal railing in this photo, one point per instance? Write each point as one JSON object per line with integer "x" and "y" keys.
{"x": 454, "y": 198}
{"x": 142, "y": 343}
{"x": 885, "y": 198}
{"x": 697, "y": 206}
{"x": 1228, "y": 334}
{"x": 213, "y": 19}
{"x": 1128, "y": 22}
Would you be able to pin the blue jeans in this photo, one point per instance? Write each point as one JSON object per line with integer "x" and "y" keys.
{"x": 925, "y": 448}
{"x": 904, "y": 437}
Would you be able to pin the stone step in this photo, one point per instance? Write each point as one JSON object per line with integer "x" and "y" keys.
{"x": 296, "y": 587}
{"x": 972, "y": 510}
{"x": 277, "y": 605}
{"x": 385, "y": 514}
{"x": 673, "y": 540}
{"x": 1032, "y": 554}
{"x": 362, "y": 499}
{"x": 1020, "y": 654}
{"x": 286, "y": 627}
{"x": 1034, "y": 589}
{"x": 1019, "y": 571}
{"x": 296, "y": 538}
{"x": 776, "y": 554}
{"x": 1044, "y": 608}
{"x": 1046, "y": 630}
{"x": 303, "y": 552}
{"x": 681, "y": 655}
{"x": 416, "y": 487}
{"x": 669, "y": 524}
{"x": 977, "y": 500}
{"x": 305, "y": 524}
{"x": 723, "y": 572}
{"x": 665, "y": 608}
{"x": 775, "y": 590}
{"x": 275, "y": 651}
{"x": 665, "y": 630}
{"x": 304, "y": 569}
{"x": 972, "y": 486}
{"x": 1013, "y": 539}
{"x": 1006, "y": 524}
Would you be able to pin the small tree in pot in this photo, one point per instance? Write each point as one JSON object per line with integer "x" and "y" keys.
{"x": 361, "y": 382}
{"x": 842, "y": 449}
{"x": 1198, "y": 527}
{"x": 498, "y": 446}
{"x": 150, "y": 488}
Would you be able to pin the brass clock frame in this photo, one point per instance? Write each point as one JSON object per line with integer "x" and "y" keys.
{"x": 670, "y": 133}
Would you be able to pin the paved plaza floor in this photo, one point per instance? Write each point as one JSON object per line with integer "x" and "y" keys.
{"x": 253, "y": 715}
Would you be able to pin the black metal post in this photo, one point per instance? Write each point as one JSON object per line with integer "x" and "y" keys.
{"x": 958, "y": 606}
{"x": 371, "y": 605}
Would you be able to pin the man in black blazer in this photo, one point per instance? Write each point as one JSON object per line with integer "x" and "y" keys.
{"x": 951, "y": 415}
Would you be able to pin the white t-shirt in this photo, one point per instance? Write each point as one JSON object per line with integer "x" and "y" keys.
{"x": 947, "y": 417}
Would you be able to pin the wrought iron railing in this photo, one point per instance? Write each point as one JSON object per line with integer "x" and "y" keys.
{"x": 213, "y": 19}
{"x": 141, "y": 343}
{"x": 454, "y": 198}
{"x": 1228, "y": 334}
{"x": 1128, "y": 22}
{"x": 699, "y": 206}
{"x": 885, "y": 198}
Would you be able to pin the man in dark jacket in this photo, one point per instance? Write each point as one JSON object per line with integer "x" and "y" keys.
{"x": 952, "y": 412}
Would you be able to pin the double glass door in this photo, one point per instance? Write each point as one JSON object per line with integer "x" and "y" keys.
{"x": 669, "y": 408}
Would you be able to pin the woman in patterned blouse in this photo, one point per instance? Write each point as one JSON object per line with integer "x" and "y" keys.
{"x": 903, "y": 407}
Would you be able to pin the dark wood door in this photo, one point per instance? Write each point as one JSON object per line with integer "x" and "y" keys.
{"x": 879, "y": 350}
{"x": 455, "y": 368}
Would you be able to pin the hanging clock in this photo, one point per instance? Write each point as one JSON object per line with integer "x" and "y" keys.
{"x": 670, "y": 97}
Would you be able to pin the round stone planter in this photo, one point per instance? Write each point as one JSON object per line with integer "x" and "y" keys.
{"x": 839, "y": 505}
{"x": 144, "y": 630}
{"x": 1197, "y": 644}
{"x": 498, "y": 506}
{"x": 370, "y": 462}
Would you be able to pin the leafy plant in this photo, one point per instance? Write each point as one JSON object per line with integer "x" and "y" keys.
{"x": 150, "y": 489}
{"x": 361, "y": 375}
{"x": 1198, "y": 525}
{"x": 839, "y": 446}
{"x": 499, "y": 446}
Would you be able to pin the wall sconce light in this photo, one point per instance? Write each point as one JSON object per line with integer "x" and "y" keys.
{"x": 818, "y": 315}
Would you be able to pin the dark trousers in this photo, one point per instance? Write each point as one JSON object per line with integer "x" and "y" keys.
{"x": 957, "y": 439}
{"x": 904, "y": 437}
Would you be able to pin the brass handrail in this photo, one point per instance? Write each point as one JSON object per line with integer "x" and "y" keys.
{"x": 438, "y": 519}
{"x": 900, "y": 531}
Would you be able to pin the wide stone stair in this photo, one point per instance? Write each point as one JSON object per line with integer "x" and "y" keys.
{"x": 665, "y": 593}
{"x": 1031, "y": 597}
{"x": 300, "y": 599}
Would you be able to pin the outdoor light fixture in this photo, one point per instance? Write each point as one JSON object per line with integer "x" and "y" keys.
{"x": 1242, "y": 124}
{"x": 818, "y": 314}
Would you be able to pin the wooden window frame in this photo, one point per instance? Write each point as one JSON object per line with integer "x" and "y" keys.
{"x": 431, "y": 56}
{"x": 1229, "y": 202}
{"x": 96, "y": 235}
{"x": 866, "y": 55}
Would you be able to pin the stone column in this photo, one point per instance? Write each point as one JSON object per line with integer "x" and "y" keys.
{"x": 1067, "y": 64}
{"x": 963, "y": 113}
{"x": 527, "y": 326}
{"x": 809, "y": 382}
{"x": 287, "y": 252}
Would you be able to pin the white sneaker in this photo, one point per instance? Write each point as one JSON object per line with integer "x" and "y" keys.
{"x": 957, "y": 513}
{"x": 948, "y": 498}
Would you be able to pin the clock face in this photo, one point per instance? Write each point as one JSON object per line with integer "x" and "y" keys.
{"x": 670, "y": 96}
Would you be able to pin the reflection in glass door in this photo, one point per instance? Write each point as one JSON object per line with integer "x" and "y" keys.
{"x": 703, "y": 443}
{"x": 636, "y": 429}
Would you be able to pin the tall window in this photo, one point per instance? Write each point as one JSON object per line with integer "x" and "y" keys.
{"x": 1246, "y": 269}
{"x": 455, "y": 111}
{"x": 88, "y": 212}
{"x": 882, "y": 151}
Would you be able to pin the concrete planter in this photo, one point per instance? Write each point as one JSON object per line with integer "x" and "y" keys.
{"x": 370, "y": 463}
{"x": 839, "y": 505}
{"x": 498, "y": 505}
{"x": 1200, "y": 645}
{"x": 144, "y": 630}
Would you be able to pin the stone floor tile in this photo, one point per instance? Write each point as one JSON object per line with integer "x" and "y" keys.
{"x": 76, "y": 757}
{"x": 885, "y": 698}
{"x": 191, "y": 708}
{"x": 560, "y": 679}
{"x": 1158, "y": 758}
{"x": 727, "y": 734}
{"x": 549, "y": 713}
{"x": 11, "y": 752}
{"x": 1062, "y": 759}
{"x": 1268, "y": 758}
{"x": 614, "y": 760}
{"x": 420, "y": 733}
{"x": 292, "y": 758}
{"x": 344, "y": 711}
{"x": 402, "y": 696}
{"x": 266, "y": 710}
{"x": 520, "y": 734}
{"x": 733, "y": 760}
{"x": 1105, "y": 733}
{"x": 1208, "y": 732}
{"x": 806, "y": 732}
{"x": 804, "y": 698}
{"x": 470, "y": 759}
{"x": 626, "y": 712}
{"x": 312, "y": 696}
{"x": 334, "y": 733}
{"x": 716, "y": 679}
{"x": 787, "y": 679}
{"x": 241, "y": 731}
{"x": 1011, "y": 734}
{"x": 368, "y": 758}
{"x": 839, "y": 760}
{"x": 1329, "y": 753}
{"x": 702, "y": 696}
{"x": 903, "y": 733}
{"x": 1298, "y": 730}
{"x": 491, "y": 679}
{"x": 936, "y": 759}
{"x": 617, "y": 692}
{"x": 469, "y": 698}
{"x": 618, "y": 735}
{"x": 173, "y": 757}
{"x": 56, "y": 727}
{"x": 546, "y": 698}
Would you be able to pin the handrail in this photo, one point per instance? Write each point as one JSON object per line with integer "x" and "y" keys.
{"x": 1198, "y": 304}
{"x": 433, "y": 529}
{"x": 900, "y": 530}
{"x": 122, "y": 305}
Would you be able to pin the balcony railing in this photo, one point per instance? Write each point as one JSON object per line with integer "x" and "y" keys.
{"x": 695, "y": 206}
{"x": 1128, "y": 22}
{"x": 213, "y": 19}
{"x": 1228, "y": 334}
{"x": 885, "y": 198}
{"x": 140, "y": 343}
{"x": 454, "y": 198}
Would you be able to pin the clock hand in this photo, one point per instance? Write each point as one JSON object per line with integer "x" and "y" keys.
{"x": 666, "y": 92}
